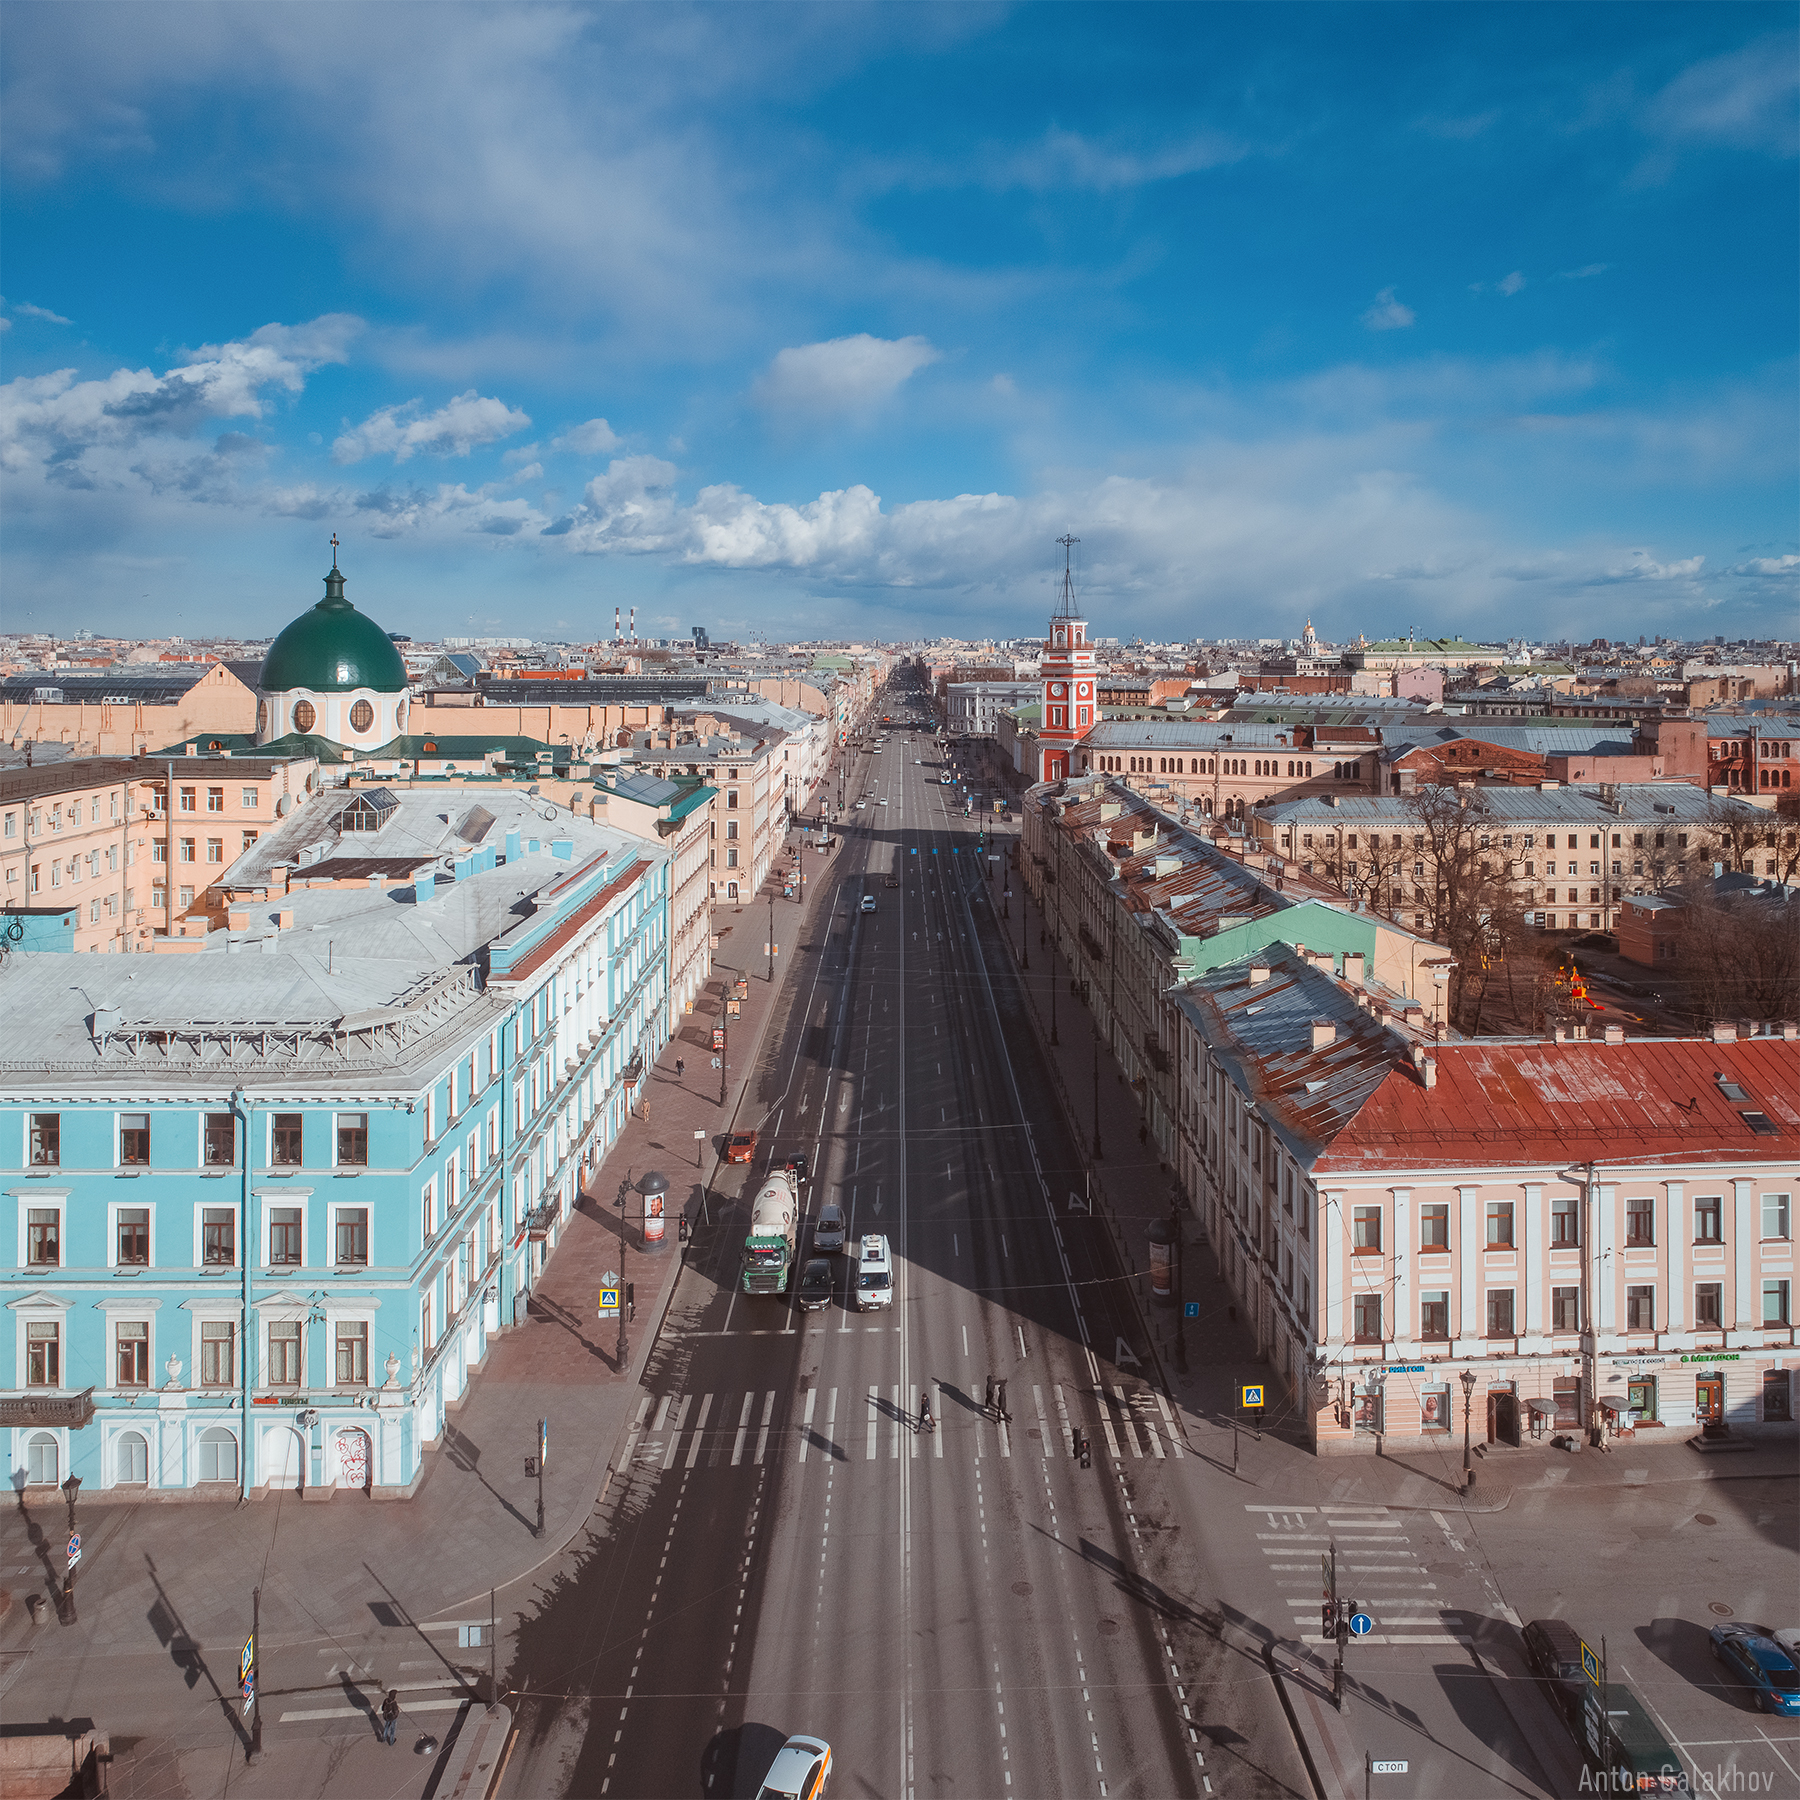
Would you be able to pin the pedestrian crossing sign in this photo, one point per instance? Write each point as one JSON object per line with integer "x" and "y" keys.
{"x": 1253, "y": 1396}
{"x": 609, "y": 1303}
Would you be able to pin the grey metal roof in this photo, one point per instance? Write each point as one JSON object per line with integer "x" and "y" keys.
{"x": 1675, "y": 802}
{"x": 158, "y": 684}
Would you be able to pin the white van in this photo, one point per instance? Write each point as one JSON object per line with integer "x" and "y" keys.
{"x": 874, "y": 1275}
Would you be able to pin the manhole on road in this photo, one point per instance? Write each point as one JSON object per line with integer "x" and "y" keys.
{"x": 1108, "y": 1627}
{"x": 1704, "y": 1519}
{"x": 1719, "y": 1607}
{"x": 1022, "y": 1589}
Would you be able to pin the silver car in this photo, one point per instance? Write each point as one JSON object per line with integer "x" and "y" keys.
{"x": 828, "y": 1233}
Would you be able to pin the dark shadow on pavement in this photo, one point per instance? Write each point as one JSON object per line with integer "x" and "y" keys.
{"x": 465, "y": 1454}
{"x": 165, "y": 1621}
{"x": 735, "y": 1760}
{"x": 1481, "y": 1713}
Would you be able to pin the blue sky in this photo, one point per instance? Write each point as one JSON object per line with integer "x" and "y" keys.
{"x": 829, "y": 320}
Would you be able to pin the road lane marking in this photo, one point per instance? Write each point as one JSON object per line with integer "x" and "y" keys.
{"x": 675, "y": 1432}
{"x": 1125, "y": 1423}
{"x": 1162, "y": 1400}
{"x": 874, "y": 1403}
{"x": 1037, "y": 1395}
{"x": 812, "y": 1398}
{"x": 699, "y": 1430}
{"x": 894, "y": 1448}
{"x": 662, "y": 1412}
{"x": 762, "y": 1436}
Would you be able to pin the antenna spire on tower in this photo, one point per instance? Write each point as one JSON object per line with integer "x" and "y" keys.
{"x": 334, "y": 551}
{"x": 1065, "y": 608}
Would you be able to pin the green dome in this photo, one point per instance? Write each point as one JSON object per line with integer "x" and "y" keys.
{"x": 333, "y": 648}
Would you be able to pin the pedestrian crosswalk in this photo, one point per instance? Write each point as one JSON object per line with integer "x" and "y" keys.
{"x": 1379, "y": 1569}
{"x": 882, "y": 1423}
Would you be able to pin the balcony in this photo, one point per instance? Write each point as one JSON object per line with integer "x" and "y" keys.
{"x": 1091, "y": 944}
{"x": 1157, "y": 1056}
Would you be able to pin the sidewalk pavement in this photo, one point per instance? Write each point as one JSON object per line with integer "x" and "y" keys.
{"x": 339, "y": 1569}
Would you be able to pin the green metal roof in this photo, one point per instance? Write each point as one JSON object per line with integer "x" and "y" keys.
{"x": 332, "y": 649}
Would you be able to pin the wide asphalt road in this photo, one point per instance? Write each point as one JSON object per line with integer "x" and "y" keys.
{"x": 965, "y": 1612}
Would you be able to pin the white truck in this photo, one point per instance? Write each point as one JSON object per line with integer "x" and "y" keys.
{"x": 774, "y": 1228}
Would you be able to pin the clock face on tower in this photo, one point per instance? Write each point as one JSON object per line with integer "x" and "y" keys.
{"x": 1082, "y": 690}
{"x": 1056, "y": 687}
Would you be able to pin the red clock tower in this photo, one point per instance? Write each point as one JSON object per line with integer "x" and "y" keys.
{"x": 1069, "y": 707}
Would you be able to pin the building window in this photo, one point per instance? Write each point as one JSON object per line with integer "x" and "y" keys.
{"x": 247, "y": 839}
{"x": 1434, "y": 1408}
{"x": 1565, "y": 1309}
{"x": 353, "y": 1140}
{"x": 46, "y": 1144}
{"x": 43, "y": 1237}
{"x": 1434, "y": 1226}
{"x": 352, "y": 1356}
{"x": 1434, "y": 1314}
{"x": 133, "y": 1236}
{"x": 1565, "y": 1224}
{"x": 285, "y": 1234}
{"x": 187, "y": 850}
{"x": 284, "y": 1354}
{"x": 218, "y": 1236}
{"x": 731, "y": 857}
{"x": 184, "y": 898}
{"x": 1709, "y": 1302}
{"x": 131, "y": 1460}
{"x": 134, "y": 1139}
{"x": 1709, "y": 1210}
{"x": 1640, "y": 1309}
{"x": 215, "y": 850}
{"x": 217, "y": 1454}
{"x": 221, "y": 1140}
{"x": 1775, "y": 1216}
{"x": 217, "y": 1342}
{"x": 1640, "y": 1221}
{"x": 132, "y": 1361}
{"x": 731, "y": 797}
{"x": 1777, "y": 1396}
{"x": 1365, "y": 1233}
{"x": 215, "y": 799}
{"x": 1500, "y": 1312}
{"x": 285, "y": 1142}
{"x": 731, "y": 828}
{"x": 189, "y": 799}
{"x": 249, "y": 799}
{"x": 352, "y": 1235}
{"x": 1775, "y": 1303}
{"x": 1366, "y": 1318}
{"x": 362, "y": 716}
{"x": 304, "y": 716}
{"x": 1500, "y": 1224}
{"x": 43, "y": 1354}
{"x": 43, "y": 1466}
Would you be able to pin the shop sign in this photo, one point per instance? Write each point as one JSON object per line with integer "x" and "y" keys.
{"x": 1405, "y": 1369}
{"x": 1643, "y": 1362}
{"x": 1717, "y": 1356}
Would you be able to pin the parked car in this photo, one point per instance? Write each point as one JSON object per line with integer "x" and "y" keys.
{"x": 742, "y": 1147}
{"x": 828, "y": 1233}
{"x": 1761, "y": 1663}
{"x": 1553, "y": 1648}
{"x": 800, "y": 1770}
{"x": 815, "y": 1284}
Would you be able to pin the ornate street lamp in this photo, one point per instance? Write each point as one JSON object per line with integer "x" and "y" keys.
{"x": 1468, "y": 1387}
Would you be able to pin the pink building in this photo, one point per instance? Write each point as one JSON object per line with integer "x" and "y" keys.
{"x": 1598, "y": 1235}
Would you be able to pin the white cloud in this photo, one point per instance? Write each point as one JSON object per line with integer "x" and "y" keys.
{"x": 1782, "y": 567}
{"x": 1511, "y": 284}
{"x": 26, "y": 310}
{"x": 1746, "y": 98}
{"x": 845, "y": 375}
{"x": 1388, "y": 314}
{"x": 1066, "y": 159}
{"x": 595, "y": 438}
{"x": 1642, "y": 566}
{"x": 456, "y": 428}
{"x": 1585, "y": 273}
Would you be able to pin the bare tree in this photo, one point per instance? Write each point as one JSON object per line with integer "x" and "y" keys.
{"x": 1737, "y": 952}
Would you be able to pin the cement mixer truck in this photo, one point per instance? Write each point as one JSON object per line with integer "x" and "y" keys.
{"x": 774, "y": 1228}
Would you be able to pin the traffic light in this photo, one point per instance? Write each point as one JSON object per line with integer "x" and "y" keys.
{"x": 1328, "y": 1620}
{"x": 1082, "y": 1450}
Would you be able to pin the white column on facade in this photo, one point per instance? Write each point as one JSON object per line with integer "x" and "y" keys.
{"x": 1468, "y": 1237}
{"x": 1330, "y": 1225}
{"x": 1744, "y": 1230}
{"x": 1536, "y": 1256}
{"x": 1402, "y": 1325}
{"x": 1605, "y": 1275}
{"x": 1676, "y": 1233}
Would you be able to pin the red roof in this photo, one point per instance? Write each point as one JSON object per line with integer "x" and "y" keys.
{"x": 1646, "y": 1100}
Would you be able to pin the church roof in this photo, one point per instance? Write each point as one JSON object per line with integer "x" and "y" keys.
{"x": 333, "y": 649}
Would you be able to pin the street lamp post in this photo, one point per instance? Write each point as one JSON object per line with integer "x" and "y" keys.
{"x": 1468, "y": 1387}
{"x": 771, "y": 937}
{"x": 71, "y": 1491}
{"x": 1053, "y": 985}
{"x": 1176, "y": 1234}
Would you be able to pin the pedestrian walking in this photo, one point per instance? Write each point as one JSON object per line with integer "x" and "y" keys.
{"x": 987, "y": 1398}
{"x": 680, "y": 1068}
{"x": 390, "y": 1715}
{"x": 926, "y": 1421}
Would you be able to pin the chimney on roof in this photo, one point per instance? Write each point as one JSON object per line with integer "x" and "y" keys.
{"x": 1724, "y": 1032}
{"x": 1259, "y": 973}
{"x": 1615, "y": 1034}
{"x": 1424, "y": 1067}
{"x": 1353, "y": 967}
{"x": 1324, "y": 1034}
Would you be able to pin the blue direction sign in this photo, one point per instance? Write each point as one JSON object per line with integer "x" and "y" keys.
{"x": 1191, "y": 1309}
{"x": 1361, "y": 1624}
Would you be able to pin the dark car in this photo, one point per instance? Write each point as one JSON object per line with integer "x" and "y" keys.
{"x": 1553, "y": 1648}
{"x": 815, "y": 1284}
{"x": 828, "y": 1234}
{"x": 795, "y": 1168}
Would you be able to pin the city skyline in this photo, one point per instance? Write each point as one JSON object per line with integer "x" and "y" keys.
{"x": 829, "y": 325}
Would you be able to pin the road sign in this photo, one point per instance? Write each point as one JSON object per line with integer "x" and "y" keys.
{"x": 700, "y": 1133}
{"x": 1325, "y": 1572}
{"x": 74, "y": 1546}
{"x": 1590, "y": 1665}
{"x": 1361, "y": 1624}
{"x": 1253, "y": 1396}
{"x": 1190, "y": 1309}
{"x": 1387, "y": 1768}
{"x": 247, "y": 1661}
{"x": 609, "y": 1303}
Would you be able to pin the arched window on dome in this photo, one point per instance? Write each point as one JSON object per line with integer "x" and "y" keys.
{"x": 304, "y": 716}
{"x": 262, "y": 718}
{"x": 362, "y": 716}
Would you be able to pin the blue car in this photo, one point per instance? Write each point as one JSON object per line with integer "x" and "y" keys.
{"x": 1761, "y": 1663}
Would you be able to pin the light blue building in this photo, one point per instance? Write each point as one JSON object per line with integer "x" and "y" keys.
{"x": 271, "y": 1199}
